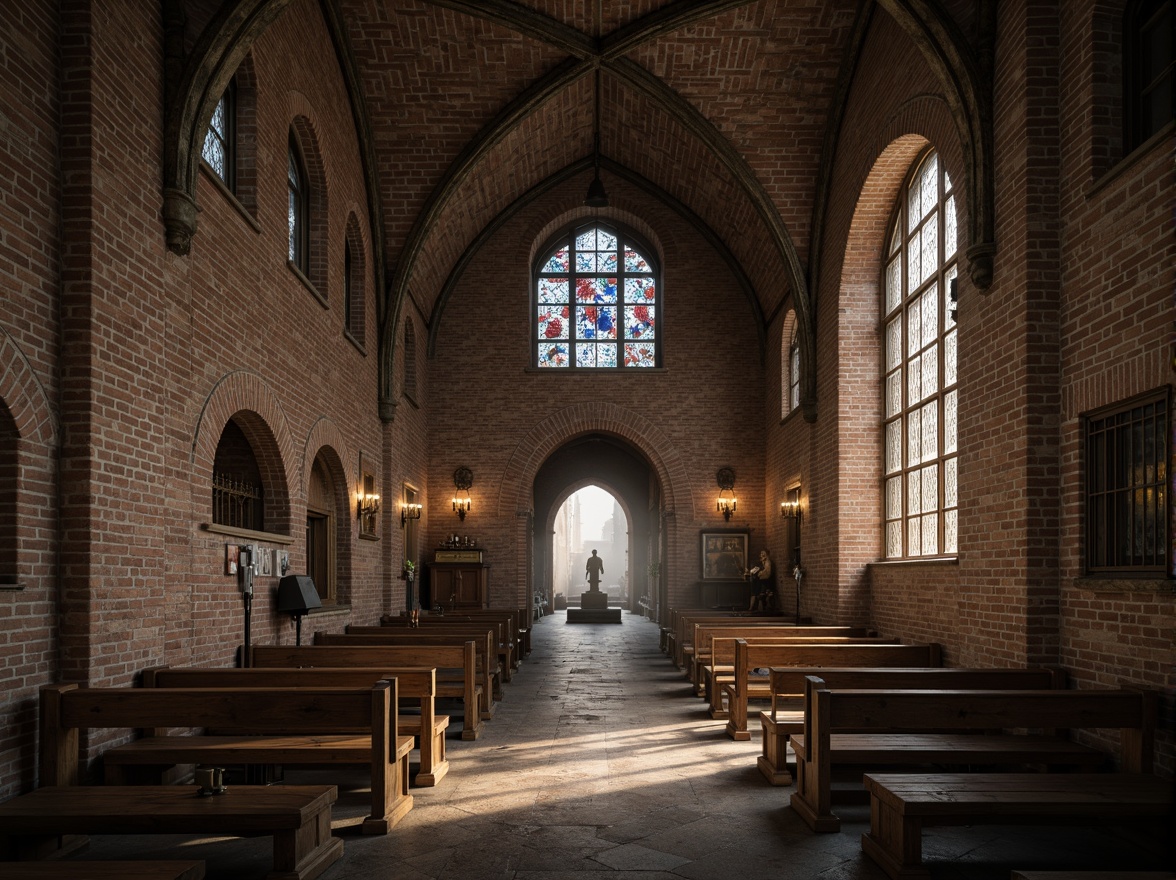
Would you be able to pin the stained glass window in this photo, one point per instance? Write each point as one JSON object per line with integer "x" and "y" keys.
{"x": 297, "y": 186}
{"x": 219, "y": 151}
{"x": 919, "y": 391}
{"x": 596, "y": 302}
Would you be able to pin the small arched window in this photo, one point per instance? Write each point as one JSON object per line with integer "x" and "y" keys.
{"x": 354, "y": 273}
{"x": 597, "y": 301}
{"x": 919, "y": 397}
{"x": 238, "y": 494}
{"x": 298, "y": 188}
{"x": 1149, "y": 69}
{"x": 793, "y": 371}
{"x": 220, "y": 141}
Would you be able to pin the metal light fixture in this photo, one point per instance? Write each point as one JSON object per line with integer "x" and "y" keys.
{"x": 727, "y": 502}
{"x": 296, "y": 596}
{"x": 409, "y": 511}
{"x": 367, "y": 502}
{"x": 463, "y": 478}
{"x": 791, "y": 509}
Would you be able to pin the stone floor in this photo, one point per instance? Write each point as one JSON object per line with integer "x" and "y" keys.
{"x": 599, "y": 760}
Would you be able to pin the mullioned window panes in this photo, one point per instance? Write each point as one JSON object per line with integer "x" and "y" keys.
{"x": 596, "y": 303}
{"x": 219, "y": 141}
{"x": 919, "y": 345}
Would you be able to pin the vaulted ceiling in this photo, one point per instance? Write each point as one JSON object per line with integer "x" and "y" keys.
{"x": 723, "y": 109}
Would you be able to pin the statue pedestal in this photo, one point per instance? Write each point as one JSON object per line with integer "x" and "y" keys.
{"x": 594, "y": 609}
{"x": 594, "y": 600}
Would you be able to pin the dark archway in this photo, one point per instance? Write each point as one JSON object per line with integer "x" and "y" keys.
{"x": 604, "y": 461}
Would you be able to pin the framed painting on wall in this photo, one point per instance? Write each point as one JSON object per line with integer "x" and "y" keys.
{"x": 723, "y": 554}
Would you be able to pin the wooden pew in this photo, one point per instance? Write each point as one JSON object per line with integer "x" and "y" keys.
{"x": 786, "y": 716}
{"x": 261, "y": 720}
{"x": 709, "y": 638}
{"x": 519, "y": 624}
{"x": 417, "y": 685}
{"x": 489, "y": 670}
{"x": 902, "y": 804}
{"x": 461, "y": 660}
{"x": 749, "y": 657}
{"x": 889, "y": 728}
{"x": 298, "y": 817}
{"x": 684, "y": 631}
{"x": 75, "y": 869}
{"x": 502, "y": 629}
{"x": 503, "y": 645}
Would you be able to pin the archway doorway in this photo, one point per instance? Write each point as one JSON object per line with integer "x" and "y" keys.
{"x": 591, "y": 521}
{"x": 624, "y": 493}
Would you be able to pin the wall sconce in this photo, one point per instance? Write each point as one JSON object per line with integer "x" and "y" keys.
{"x": 367, "y": 502}
{"x": 727, "y": 501}
{"x": 463, "y": 478}
{"x": 409, "y": 511}
{"x": 791, "y": 509}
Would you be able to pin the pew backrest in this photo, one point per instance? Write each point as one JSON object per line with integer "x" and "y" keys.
{"x": 68, "y": 709}
{"x": 1132, "y": 712}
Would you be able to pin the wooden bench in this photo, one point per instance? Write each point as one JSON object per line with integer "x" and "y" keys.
{"x": 683, "y": 637}
{"x": 718, "y": 667}
{"x": 890, "y": 727}
{"x": 786, "y": 716}
{"x": 488, "y": 669}
{"x": 415, "y": 685}
{"x": 260, "y": 721}
{"x": 502, "y": 639}
{"x": 500, "y": 654}
{"x": 74, "y": 869}
{"x": 746, "y": 686}
{"x": 902, "y": 804}
{"x": 456, "y": 668}
{"x": 670, "y": 636}
{"x": 298, "y": 817}
{"x": 701, "y": 657}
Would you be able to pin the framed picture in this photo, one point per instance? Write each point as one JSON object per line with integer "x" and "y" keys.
{"x": 723, "y": 554}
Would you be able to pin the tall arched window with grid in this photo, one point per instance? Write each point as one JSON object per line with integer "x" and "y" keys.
{"x": 596, "y": 301}
{"x": 920, "y": 397}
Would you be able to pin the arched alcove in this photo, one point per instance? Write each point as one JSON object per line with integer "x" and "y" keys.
{"x": 622, "y": 471}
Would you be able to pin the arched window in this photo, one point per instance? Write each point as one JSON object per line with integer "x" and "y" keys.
{"x": 919, "y": 364}
{"x": 298, "y": 187}
{"x": 597, "y": 300}
{"x": 238, "y": 494}
{"x": 789, "y": 366}
{"x": 1149, "y": 69}
{"x": 353, "y": 284}
{"x": 793, "y": 372}
{"x": 321, "y": 538}
{"x": 220, "y": 141}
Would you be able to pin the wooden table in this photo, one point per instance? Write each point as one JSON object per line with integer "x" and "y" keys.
{"x": 298, "y": 817}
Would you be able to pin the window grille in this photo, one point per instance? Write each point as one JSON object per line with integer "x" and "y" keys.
{"x": 1127, "y": 454}
{"x": 236, "y": 503}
